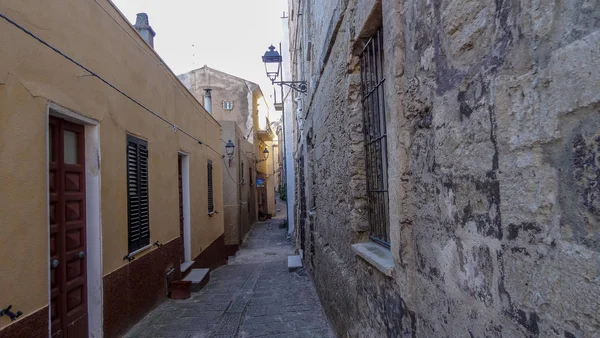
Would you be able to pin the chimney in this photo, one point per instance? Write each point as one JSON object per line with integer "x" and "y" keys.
{"x": 143, "y": 27}
{"x": 208, "y": 100}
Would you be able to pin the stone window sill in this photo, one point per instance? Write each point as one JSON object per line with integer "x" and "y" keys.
{"x": 376, "y": 255}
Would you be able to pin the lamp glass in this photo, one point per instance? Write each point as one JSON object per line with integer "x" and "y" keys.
{"x": 266, "y": 153}
{"x": 229, "y": 148}
{"x": 272, "y": 61}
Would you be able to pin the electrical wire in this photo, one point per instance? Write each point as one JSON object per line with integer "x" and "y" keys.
{"x": 228, "y": 173}
{"x": 155, "y": 56}
{"x": 92, "y": 73}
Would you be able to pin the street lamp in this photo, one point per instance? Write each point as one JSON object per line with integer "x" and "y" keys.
{"x": 229, "y": 149}
{"x": 272, "y": 61}
{"x": 265, "y": 156}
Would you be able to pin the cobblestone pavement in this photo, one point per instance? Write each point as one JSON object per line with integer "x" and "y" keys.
{"x": 253, "y": 296}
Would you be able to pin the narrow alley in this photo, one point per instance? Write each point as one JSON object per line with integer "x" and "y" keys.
{"x": 253, "y": 296}
{"x": 300, "y": 168}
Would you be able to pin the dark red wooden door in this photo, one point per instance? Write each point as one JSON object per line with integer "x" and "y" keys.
{"x": 181, "y": 210}
{"x": 68, "y": 287}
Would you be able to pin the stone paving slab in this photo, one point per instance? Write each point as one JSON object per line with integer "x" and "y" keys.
{"x": 255, "y": 296}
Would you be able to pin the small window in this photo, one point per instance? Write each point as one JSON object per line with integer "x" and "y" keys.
{"x": 228, "y": 105}
{"x": 211, "y": 205}
{"x": 138, "y": 220}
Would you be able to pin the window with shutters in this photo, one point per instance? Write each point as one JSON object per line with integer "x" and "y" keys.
{"x": 211, "y": 204}
{"x": 138, "y": 220}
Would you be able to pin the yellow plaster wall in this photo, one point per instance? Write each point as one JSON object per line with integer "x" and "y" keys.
{"x": 32, "y": 75}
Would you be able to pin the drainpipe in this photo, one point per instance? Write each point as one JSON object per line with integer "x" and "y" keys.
{"x": 208, "y": 100}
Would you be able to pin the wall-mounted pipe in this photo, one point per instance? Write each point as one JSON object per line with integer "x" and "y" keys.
{"x": 208, "y": 100}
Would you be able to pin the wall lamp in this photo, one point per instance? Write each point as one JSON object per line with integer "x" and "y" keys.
{"x": 265, "y": 155}
{"x": 229, "y": 149}
{"x": 272, "y": 60}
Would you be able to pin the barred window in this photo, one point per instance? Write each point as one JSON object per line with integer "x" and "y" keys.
{"x": 373, "y": 100}
{"x": 138, "y": 220}
{"x": 211, "y": 205}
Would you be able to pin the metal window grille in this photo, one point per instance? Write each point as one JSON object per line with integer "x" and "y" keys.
{"x": 138, "y": 220}
{"x": 211, "y": 204}
{"x": 373, "y": 99}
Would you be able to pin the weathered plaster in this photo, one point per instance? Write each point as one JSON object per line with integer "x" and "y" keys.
{"x": 492, "y": 118}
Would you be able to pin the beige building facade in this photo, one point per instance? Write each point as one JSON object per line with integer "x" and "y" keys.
{"x": 447, "y": 165}
{"x": 239, "y": 191}
{"x": 103, "y": 150}
{"x": 243, "y": 102}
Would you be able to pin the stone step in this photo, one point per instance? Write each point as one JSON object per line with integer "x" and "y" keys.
{"x": 199, "y": 278}
{"x": 185, "y": 266}
{"x": 294, "y": 263}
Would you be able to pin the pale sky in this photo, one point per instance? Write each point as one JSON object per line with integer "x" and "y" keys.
{"x": 227, "y": 35}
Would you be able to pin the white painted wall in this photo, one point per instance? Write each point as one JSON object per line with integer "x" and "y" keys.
{"x": 187, "y": 230}
{"x": 288, "y": 148}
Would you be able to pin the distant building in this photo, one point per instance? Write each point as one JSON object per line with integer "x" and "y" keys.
{"x": 233, "y": 98}
{"x": 238, "y": 100}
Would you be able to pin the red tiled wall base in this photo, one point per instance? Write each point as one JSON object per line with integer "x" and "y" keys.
{"x": 230, "y": 250}
{"x": 34, "y": 325}
{"x": 138, "y": 287}
{"x": 131, "y": 291}
{"x": 214, "y": 256}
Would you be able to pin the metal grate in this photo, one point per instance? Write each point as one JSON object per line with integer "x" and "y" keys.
{"x": 211, "y": 204}
{"x": 137, "y": 193}
{"x": 373, "y": 99}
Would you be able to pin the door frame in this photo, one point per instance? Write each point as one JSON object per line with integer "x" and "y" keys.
{"x": 93, "y": 214}
{"x": 185, "y": 183}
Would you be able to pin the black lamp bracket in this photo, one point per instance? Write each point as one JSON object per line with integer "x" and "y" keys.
{"x": 299, "y": 86}
{"x": 9, "y": 313}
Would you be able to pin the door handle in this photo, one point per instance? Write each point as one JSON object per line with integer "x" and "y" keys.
{"x": 54, "y": 263}
{"x": 80, "y": 255}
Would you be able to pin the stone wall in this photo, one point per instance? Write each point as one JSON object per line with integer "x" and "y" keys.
{"x": 494, "y": 166}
